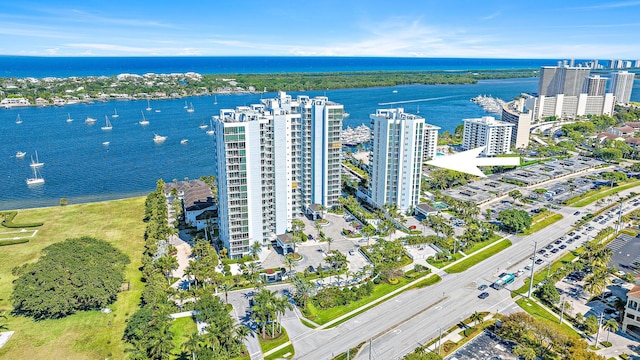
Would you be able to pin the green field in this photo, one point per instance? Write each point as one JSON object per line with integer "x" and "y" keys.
{"x": 541, "y": 313}
{"x": 85, "y": 335}
{"x": 478, "y": 257}
{"x": 543, "y": 224}
{"x": 595, "y": 195}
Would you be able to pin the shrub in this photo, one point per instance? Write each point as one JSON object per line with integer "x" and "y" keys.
{"x": 393, "y": 281}
{"x": 8, "y": 221}
{"x": 12, "y": 242}
{"x": 376, "y": 281}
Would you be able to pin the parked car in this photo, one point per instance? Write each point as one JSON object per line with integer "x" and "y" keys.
{"x": 482, "y": 287}
{"x": 563, "y": 246}
{"x": 483, "y": 295}
{"x": 539, "y": 261}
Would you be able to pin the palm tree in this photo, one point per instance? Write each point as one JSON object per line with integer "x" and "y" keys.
{"x": 161, "y": 344}
{"x": 610, "y": 325}
{"x": 255, "y": 249}
{"x": 166, "y": 265}
{"x": 596, "y": 282}
{"x": 226, "y": 287}
{"x": 477, "y": 317}
{"x": 289, "y": 262}
{"x": 281, "y": 305}
{"x": 192, "y": 344}
{"x": 303, "y": 289}
{"x": 329, "y": 241}
{"x": 265, "y": 308}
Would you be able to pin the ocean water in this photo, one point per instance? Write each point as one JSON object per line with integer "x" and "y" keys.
{"x": 25, "y": 66}
{"x": 80, "y": 168}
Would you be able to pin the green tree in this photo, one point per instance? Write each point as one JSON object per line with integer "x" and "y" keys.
{"x": 591, "y": 324}
{"x": 255, "y": 249}
{"x": 477, "y": 317}
{"x": 167, "y": 264}
{"x": 548, "y": 293}
{"x": 192, "y": 344}
{"x": 525, "y": 352}
{"x": 514, "y": 220}
{"x": 610, "y": 325}
{"x": 76, "y": 274}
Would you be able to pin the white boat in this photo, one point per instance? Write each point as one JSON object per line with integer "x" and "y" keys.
{"x": 107, "y": 126}
{"x": 144, "y": 121}
{"x": 395, "y": 91}
{"x": 36, "y": 163}
{"x": 115, "y": 114}
{"x": 203, "y": 126}
{"x": 159, "y": 139}
{"x": 184, "y": 141}
{"x": 190, "y": 109}
{"x": 20, "y": 154}
{"x": 36, "y": 179}
{"x": 106, "y": 143}
{"x": 18, "y": 120}
{"x": 345, "y": 115}
{"x": 210, "y": 131}
{"x": 90, "y": 120}
{"x": 157, "y": 110}
{"x": 69, "y": 119}
{"x": 215, "y": 100}
{"x": 185, "y": 105}
{"x": 148, "y": 105}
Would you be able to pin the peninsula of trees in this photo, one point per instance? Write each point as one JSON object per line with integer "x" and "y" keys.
{"x": 60, "y": 91}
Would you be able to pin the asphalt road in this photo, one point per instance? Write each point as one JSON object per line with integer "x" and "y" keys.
{"x": 395, "y": 327}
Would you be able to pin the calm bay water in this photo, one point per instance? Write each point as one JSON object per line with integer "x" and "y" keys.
{"x": 80, "y": 168}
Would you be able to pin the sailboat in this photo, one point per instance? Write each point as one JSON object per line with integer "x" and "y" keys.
{"x": 115, "y": 113}
{"x": 203, "y": 125}
{"x": 418, "y": 111}
{"x": 210, "y": 131}
{"x": 184, "y": 141}
{"x": 69, "y": 119}
{"x": 159, "y": 139}
{"x": 35, "y": 180}
{"x": 89, "y": 120}
{"x": 36, "y": 163}
{"x": 20, "y": 154}
{"x": 148, "y": 105}
{"x": 215, "y": 100}
{"x": 144, "y": 121}
{"x": 18, "y": 120}
{"x": 185, "y": 105}
{"x": 190, "y": 109}
{"x": 107, "y": 125}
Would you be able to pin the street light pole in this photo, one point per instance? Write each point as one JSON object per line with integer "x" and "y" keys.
{"x": 440, "y": 341}
{"x": 562, "y": 310}
{"x": 533, "y": 264}
{"x": 598, "y": 333}
{"x": 618, "y": 225}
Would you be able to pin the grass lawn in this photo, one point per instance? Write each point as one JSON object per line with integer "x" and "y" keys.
{"x": 440, "y": 264}
{"x": 595, "y": 195}
{"x": 433, "y": 279}
{"x": 539, "y": 312}
{"x": 285, "y": 353}
{"x": 322, "y": 316}
{"x": 543, "y": 224}
{"x": 269, "y": 343}
{"x": 479, "y": 245}
{"x": 182, "y": 328}
{"x": 85, "y": 335}
{"x": 542, "y": 273}
{"x": 478, "y": 257}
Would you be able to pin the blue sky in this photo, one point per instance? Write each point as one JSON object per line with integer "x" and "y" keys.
{"x": 422, "y": 28}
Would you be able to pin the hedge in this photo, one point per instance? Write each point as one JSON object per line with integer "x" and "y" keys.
{"x": 13, "y": 242}
{"x": 8, "y": 221}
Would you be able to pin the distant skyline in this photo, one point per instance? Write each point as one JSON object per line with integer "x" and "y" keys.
{"x": 488, "y": 29}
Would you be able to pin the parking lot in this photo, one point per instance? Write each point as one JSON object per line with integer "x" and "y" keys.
{"x": 485, "y": 346}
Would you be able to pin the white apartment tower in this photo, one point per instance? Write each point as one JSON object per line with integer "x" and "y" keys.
{"x": 595, "y": 85}
{"x": 487, "y": 132}
{"x": 396, "y": 158}
{"x": 516, "y": 113}
{"x": 621, "y": 85}
{"x": 273, "y": 160}
{"x": 430, "y": 141}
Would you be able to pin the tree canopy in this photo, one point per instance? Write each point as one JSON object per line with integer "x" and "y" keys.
{"x": 514, "y": 220}
{"x": 77, "y": 274}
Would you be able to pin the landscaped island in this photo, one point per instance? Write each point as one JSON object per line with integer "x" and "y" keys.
{"x": 61, "y": 91}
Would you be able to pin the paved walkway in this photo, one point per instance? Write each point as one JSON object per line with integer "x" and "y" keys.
{"x": 4, "y": 337}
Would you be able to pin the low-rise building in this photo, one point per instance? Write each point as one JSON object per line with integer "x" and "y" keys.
{"x": 631, "y": 320}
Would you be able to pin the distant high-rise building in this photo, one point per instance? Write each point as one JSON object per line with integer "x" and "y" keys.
{"x": 515, "y": 113}
{"x": 273, "y": 161}
{"x": 621, "y": 86}
{"x": 396, "y": 158}
{"x": 636, "y": 64}
{"x": 430, "y": 141}
{"x": 487, "y": 132}
{"x": 562, "y": 79}
{"x": 594, "y": 85}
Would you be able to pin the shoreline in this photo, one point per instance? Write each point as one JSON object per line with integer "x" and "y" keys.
{"x": 75, "y": 204}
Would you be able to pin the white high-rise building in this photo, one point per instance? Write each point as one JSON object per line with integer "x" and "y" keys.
{"x": 430, "y": 141}
{"x": 621, "y": 86}
{"x": 516, "y": 113}
{"x": 273, "y": 161}
{"x": 487, "y": 132}
{"x": 562, "y": 79}
{"x": 396, "y": 158}
{"x": 595, "y": 85}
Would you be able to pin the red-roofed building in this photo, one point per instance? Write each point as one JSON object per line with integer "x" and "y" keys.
{"x": 624, "y": 131}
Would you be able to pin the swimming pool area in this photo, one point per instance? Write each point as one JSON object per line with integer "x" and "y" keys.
{"x": 440, "y": 205}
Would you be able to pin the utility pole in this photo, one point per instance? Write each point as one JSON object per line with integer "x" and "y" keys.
{"x": 549, "y": 269}
{"x": 370, "y": 347}
{"x": 619, "y": 225}
{"x": 533, "y": 264}
{"x": 561, "y": 311}
{"x": 440, "y": 341}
